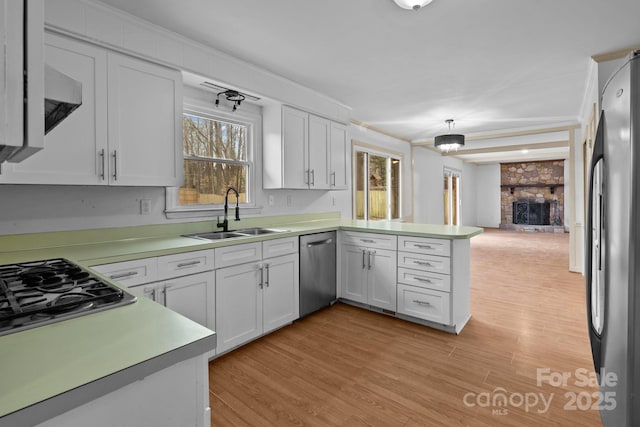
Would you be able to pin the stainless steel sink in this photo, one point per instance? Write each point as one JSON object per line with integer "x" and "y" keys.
{"x": 216, "y": 235}
{"x": 246, "y": 232}
{"x": 257, "y": 231}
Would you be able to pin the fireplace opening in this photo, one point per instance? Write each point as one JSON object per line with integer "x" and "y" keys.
{"x": 531, "y": 213}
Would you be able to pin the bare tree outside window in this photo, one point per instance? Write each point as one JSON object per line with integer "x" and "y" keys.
{"x": 215, "y": 157}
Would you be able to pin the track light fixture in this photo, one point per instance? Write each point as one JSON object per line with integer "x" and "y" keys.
{"x": 233, "y": 96}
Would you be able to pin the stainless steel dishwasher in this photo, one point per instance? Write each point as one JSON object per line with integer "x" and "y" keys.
{"x": 317, "y": 271}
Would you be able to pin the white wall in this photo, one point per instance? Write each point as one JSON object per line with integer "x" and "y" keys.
{"x": 428, "y": 170}
{"x": 488, "y": 194}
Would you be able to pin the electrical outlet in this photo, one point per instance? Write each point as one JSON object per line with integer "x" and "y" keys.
{"x": 145, "y": 206}
{"x": 289, "y": 201}
{"x": 271, "y": 200}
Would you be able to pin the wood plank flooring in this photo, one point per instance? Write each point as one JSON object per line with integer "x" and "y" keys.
{"x": 345, "y": 366}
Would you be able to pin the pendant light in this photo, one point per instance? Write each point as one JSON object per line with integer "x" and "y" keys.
{"x": 450, "y": 141}
{"x": 412, "y": 4}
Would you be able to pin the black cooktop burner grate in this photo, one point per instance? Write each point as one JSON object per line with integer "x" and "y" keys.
{"x": 40, "y": 292}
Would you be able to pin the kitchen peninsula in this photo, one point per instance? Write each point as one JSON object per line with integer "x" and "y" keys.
{"x": 122, "y": 349}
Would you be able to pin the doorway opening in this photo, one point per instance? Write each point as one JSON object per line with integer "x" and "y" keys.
{"x": 452, "y": 180}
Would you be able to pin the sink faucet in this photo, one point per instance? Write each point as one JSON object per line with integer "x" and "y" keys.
{"x": 225, "y": 224}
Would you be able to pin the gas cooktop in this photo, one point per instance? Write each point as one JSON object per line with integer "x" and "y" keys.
{"x": 40, "y": 292}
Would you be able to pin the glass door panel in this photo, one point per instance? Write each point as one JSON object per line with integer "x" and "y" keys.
{"x": 361, "y": 161}
{"x": 378, "y": 191}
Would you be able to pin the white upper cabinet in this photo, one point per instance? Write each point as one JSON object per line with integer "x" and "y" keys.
{"x": 73, "y": 148}
{"x": 338, "y": 157}
{"x": 298, "y": 153}
{"x": 318, "y": 169}
{"x": 145, "y": 123}
{"x": 128, "y": 130}
{"x": 295, "y": 142}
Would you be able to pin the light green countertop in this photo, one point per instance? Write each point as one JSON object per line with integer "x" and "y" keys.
{"x": 47, "y": 361}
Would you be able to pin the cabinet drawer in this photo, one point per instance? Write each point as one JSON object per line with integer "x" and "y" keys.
{"x": 237, "y": 254}
{"x": 185, "y": 263}
{"x": 370, "y": 240}
{"x": 424, "y": 304}
{"x": 427, "y": 280}
{"x": 423, "y": 245}
{"x": 130, "y": 273}
{"x": 434, "y": 264}
{"x": 277, "y": 247}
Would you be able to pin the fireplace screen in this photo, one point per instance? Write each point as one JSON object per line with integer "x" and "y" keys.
{"x": 531, "y": 213}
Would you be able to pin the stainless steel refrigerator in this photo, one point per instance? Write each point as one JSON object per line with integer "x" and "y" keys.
{"x": 613, "y": 253}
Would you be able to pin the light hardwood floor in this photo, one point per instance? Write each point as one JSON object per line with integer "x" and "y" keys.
{"x": 345, "y": 366}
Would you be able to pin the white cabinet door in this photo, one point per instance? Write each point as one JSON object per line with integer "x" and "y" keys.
{"x": 192, "y": 296}
{"x": 281, "y": 292}
{"x": 381, "y": 278}
{"x": 319, "y": 132}
{"x": 295, "y": 141}
{"x": 338, "y": 157}
{"x": 145, "y": 123}
{"x": 354, "y": 274}
{"x": 75, "y": 150}
{"x": 238, "y": 305}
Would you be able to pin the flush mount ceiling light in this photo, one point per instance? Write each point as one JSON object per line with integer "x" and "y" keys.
{"x": 450, "y": 141}
{"x": 412, "y": 4}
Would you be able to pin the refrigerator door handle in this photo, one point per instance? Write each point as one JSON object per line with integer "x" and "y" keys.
{"x": 595, "y": 266}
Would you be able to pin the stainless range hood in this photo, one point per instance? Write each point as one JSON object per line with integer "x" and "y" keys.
{"x": 62, "y": 95}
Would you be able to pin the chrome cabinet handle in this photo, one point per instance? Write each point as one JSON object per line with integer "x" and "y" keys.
{"x": 164, "y": 294}
{"x": 426, "y": 303}
{"x": 261, "y": 284}
{"x": 115, "y": 165}
{"x": 370, "y": 253}
{"x": 266, "y": 282}
{"x": 333, "y": 179}
{"x": 308, "y": 179}
{"x": 420, "y": 279}
{"x": 424, "y": 246}
{"x": 188, "y": 264}
{"x": 101, "y": 154}
{"x": 363, "y": 265}
{"x": 121, "y": 275}
{"x": 367, "y": 240}
{"x": 313, "y": 177}
{"x": 428, "y": 264}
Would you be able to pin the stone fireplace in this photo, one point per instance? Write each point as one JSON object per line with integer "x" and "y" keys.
{"x": 532, "y": 196}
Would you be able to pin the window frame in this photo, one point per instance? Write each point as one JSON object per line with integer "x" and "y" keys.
{"x": 389, "y": 154}
{"x": 246, "y": 116}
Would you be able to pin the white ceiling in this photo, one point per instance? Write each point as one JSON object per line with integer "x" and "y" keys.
{"x": 492, "y": 65}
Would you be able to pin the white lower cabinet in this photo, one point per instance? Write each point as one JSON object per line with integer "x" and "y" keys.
{"x": 281, "y": 292}
{"x": 183, "y": 282}
{"x": 257, "y": 297}
{"x": 192, "y": 296}
{"x": 238, "y": 305}
{"x": 369, "y": 276}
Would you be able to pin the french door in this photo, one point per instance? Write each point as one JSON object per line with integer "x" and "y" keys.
{"x": 377, "y": 186}
{"x": 452, "y": 179}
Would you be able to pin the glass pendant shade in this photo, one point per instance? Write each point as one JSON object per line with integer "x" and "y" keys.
{"x": 412, "y": 4}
